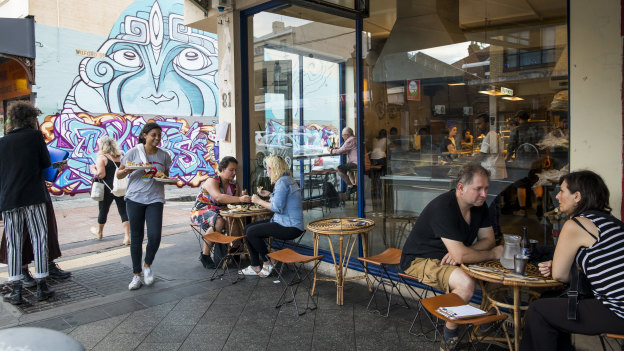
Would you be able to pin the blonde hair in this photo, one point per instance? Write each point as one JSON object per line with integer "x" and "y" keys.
{"x": 278, "y": 165}
{"x": 108, "y": 146}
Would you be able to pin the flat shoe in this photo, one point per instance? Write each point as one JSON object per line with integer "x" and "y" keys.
{"x": 126, "y": 241}
{"x": 248, "y": 271}
{"x": 96, "y": 234}
{"x": 266, "y": 271}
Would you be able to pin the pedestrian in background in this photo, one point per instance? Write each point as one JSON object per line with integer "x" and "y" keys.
{"x": 23, "y": 158}
{"x": 145, "y": 199}
{"x": 106, "y": 164}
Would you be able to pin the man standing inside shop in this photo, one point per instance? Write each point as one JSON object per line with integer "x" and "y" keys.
{"x": 348, "y": 171}
{"x": 444, "y": 237}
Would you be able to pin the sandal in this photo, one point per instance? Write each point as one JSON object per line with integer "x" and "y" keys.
{"x": 266, "y": 271}
{"x": 249, "y": 271}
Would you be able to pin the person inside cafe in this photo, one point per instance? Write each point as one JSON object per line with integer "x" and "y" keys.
{"x": 454, "y": 228}
{"x": 448, "y": 144}
{"x": 593, "y": 240}
{"x": 216, "y": 192}
{"x": 378, "y": 155}
{"x": 287, "y": 220}
{"x": 347, "y": 171}
{"x": 467, "y": 141}
{"x": 492, "y": 158}
{"x": 526, "y": 163}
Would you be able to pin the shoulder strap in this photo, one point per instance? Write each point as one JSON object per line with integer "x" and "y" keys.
{"x": 110, "y": 159}
{"x": 579, "y": 223}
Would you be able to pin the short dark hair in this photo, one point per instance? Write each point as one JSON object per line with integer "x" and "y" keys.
{"x": 485, "y": 117}
{"x": 23, "y": 115}
{"x": 146, "y": 129}
{"x": 523, "y": 115}
{"x": 467, "y": 172}
{"x": 594, "y": 191}
{"x": 225, "y": 162}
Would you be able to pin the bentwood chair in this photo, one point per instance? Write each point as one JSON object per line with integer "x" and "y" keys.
{"x": 390, "y": 257}
{"x": 431, "y": 304}
{"x": 236, "y": 247}
{"x": 295, "y": 262}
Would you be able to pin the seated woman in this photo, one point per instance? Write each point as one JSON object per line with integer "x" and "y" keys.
{"x": 287, "y": 221}
{"x": 216, "y": 192}
{"x": 467, "y": 141}
{"x": 594, "y": 240}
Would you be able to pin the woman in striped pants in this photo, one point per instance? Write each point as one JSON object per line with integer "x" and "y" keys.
{"x": 23, "y": 157}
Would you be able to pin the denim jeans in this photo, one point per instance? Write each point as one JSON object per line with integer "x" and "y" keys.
{"x": 140, "y": 214}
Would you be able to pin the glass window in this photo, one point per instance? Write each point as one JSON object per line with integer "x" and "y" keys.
{"x": 430, "y": 72}
{"x": 303, "y": 95}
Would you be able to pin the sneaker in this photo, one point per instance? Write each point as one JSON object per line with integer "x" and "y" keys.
{"x": 135, "y": 283}
{"x": 148, "y": 276}
{"x": 449, "y": 344}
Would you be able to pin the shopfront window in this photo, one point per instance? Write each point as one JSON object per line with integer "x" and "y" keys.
{"x": 444, "y": 78}
{"x": 302, "y": 91}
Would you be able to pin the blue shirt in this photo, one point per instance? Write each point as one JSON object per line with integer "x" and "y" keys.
{"x": 286, "y": 203}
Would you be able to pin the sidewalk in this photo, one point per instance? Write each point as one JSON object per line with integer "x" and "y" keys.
{"x": 184, "y": 310}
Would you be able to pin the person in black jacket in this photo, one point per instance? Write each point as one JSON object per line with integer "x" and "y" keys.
{"x": 23, "y": 157}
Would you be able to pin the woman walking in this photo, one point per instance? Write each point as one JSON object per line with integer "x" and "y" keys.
{"x": 106, "y": 164}
{"x": 145, "y": 199}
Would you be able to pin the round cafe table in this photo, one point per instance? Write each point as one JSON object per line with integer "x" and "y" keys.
{"x": 501, "y": 278}
{"x": 239, "y": 216}
{"x": 348, "y": 228}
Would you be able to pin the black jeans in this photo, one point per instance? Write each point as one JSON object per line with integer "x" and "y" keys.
{"x": 547, "y": 327}
{"x": 256, "y": 232}
{"x": 104, "y": 206}
{"x": 140, "y": 214}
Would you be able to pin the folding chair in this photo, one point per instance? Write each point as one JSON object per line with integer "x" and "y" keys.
{"x": 413, "y": 292}
{"x": 295, "y": 262}
{"x": 222, "y": 267}
{"x": 390, "y": 257}
{"x": 604, "y": 342}
{"x": 431, "y": 304}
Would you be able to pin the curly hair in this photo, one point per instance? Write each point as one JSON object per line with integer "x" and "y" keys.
{"x": 108, "y": 146}
{"x": 593, "y": 190}
{"x": 146, "y": 129}
{"x": 23, "y": 115}
{"x": 225, "y": 162}
{"x": 278, "y": 166}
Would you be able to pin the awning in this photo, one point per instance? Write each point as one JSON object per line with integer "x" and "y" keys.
{"x": 17, "y": 37}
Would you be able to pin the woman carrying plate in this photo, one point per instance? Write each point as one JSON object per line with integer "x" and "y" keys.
{"x": 145, "y": 199}
{"x": 287, "y": 221}
{"x": 215, "y": 193}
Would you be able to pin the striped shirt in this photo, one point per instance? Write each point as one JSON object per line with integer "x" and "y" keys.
{"x": 603, "y": 262}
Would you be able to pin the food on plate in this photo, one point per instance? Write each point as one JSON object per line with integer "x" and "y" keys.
{"x": 256, "y": 207}
{"x": 160, "y": 174}
{"x": 140, "y": 164}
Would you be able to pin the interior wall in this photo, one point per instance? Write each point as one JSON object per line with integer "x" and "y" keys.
{"x": 596, "y": 92}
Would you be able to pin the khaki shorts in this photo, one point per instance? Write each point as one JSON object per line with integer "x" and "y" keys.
{"x": 429, "y": 271}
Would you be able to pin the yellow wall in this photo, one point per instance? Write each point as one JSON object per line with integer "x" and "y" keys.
{"x": 71, "y": 14}
{"x": 595, "y": 92}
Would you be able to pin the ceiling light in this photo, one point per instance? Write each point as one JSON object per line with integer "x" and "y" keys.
{"x": 456, "y": 84}
{"x": 513, "y": 98}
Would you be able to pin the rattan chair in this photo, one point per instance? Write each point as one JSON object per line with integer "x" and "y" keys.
{"x": 223, "y": 266}
{"x": 390, "y": 257}
{"x": 294, "y": 262}
{"x": 416, "y": 295}
{"x": 431, "y": 304}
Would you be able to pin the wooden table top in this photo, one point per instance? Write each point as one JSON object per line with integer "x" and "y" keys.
{"x": 493, "y": 272}
{"x": 341, "y": 226}
{"x": 245, "y": 213}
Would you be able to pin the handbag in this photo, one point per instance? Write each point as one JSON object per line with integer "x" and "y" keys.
{"x": 97, "y": 190}
{"x": 580, "y": 287}
{"x": 119, "y": 185}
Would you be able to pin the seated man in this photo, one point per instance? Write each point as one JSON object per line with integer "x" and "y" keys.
{"x": 444, "y": 237}
{"x": 349, "y": 147}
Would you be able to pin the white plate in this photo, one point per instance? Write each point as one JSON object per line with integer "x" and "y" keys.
{"x": 166, "y": 180}
{"x": 139, "y": 167}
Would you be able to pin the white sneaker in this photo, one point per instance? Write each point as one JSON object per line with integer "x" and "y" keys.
{"x": 135, "y": 283}
{"x": 148, "y": 276}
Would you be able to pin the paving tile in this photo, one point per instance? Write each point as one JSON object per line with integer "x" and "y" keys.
{"x": 122, "y": 307}
{"x": 300, "y": 341}
{"x": 195, "y": 303}
{"x": 169, "y": 333}
{"x": 86, "y": 316}
{"x": 183, "y": 317}
{"x": 334, "y": 339}
{"x": 372, "y": 341}
{"x": 57, "y": 323}
{"x": 92, "y": 333}
{"x": 158, "y": 346}
{"x": 200, "y": 339}
{"x": 119, "y": 341}
{"x": 157, "y": 298}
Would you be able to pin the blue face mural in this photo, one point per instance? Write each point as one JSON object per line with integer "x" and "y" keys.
{"x": 152, "y": 64}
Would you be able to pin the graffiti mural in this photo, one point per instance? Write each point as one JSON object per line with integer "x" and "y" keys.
{"x": 151, "y": 63}
{"x": 192, "y": 147}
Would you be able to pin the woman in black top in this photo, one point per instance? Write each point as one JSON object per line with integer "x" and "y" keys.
{"x": 23, "y": 158}
{"x": 106, "y": 164}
